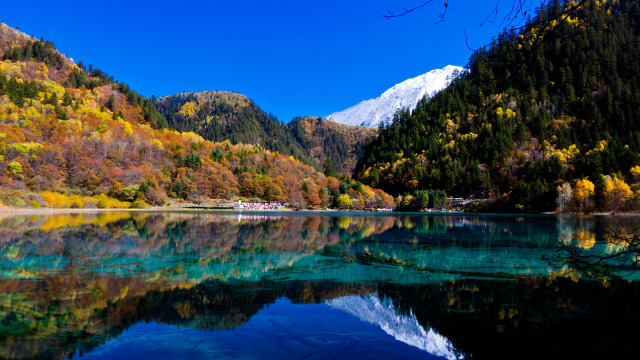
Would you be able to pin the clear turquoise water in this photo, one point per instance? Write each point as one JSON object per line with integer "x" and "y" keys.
{"x": 264, "y": 286}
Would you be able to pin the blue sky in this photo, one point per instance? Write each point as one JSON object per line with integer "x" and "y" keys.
{"x": 292, "y": 57}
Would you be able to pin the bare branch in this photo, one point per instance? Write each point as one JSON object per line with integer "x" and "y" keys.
{"x": 629, "y": 254}
{"x": 406, "y": 11}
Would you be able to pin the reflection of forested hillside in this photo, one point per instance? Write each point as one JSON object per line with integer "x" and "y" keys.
{"x": 486, "y": 319}
{"x": 532, "y": 318}
{"x": 70, "y": 281}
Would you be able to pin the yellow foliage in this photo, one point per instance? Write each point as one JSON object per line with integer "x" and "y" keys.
{"x": 128, "y": 129}
{"x": 77, "y": 201}
{"x": 344, "y": 222}
{"x": 61, "y": 201}
{"x": 30, "y": 113}
{"x": 108, "y": 217}
{"x": 451, "y": 127}
{"x": 53, "y": 87}
{"x": 57, "y": 221}
{"x": 55, "y": 200}
{"x": 407, "y": 201}
{"x": 564, "y": 155}
{"x": 26, "y": 148}
{"x": 583, "y": 190}
{"x": 470, "y": 136}
{"x": 72, "y": 125}
{"x": 344, "y": 201}
{"x": 105, "y": 202}
{"x": 635, "y": 173}
{"x": 600, "y": 147}
{"x": 124, "y": 291}
{"x": 585, "y": 239}
{"x": 61, "y": 220}
{"x": 12, "y": 69}
{"x": 617, "y": 191}
{"x": 451, "y": 145}
{"x": 15, "y": 169}
{"x": 185, "y": 310}
{"x": 192, "y": 137}
{"x": 157, "y": 143}
{"x": 188, "y": 109}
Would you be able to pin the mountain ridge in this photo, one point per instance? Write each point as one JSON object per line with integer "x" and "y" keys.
{"x": 72, "y": 137}
{"x": 225, "y": 115}
{"x": 404, "y": 95}
{"x": 542, "y": 121}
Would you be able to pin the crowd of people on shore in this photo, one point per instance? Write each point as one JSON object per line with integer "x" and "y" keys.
{"x": 272, "y": 205}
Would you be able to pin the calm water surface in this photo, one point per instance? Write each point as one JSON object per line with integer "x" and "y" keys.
{"x": 121, "y": 285}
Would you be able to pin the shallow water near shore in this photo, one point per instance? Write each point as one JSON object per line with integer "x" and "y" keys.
{"x": 297, "y": 285}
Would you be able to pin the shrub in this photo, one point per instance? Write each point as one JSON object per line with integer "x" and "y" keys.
{"x": 139, "y": 204}
{"x": 55, "y": 200}
{"x": 105, "y": 202}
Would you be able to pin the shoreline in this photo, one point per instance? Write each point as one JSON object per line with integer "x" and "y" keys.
{"x": 4, "y": 210}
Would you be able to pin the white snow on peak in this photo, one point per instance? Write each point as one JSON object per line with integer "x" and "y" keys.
{"x": 407, "y": 329}
{"x": 405, "y": 95}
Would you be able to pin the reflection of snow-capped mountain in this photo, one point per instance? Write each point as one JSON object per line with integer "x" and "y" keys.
{"x": 407, "y": 94}
{"x": 407, "y": 329}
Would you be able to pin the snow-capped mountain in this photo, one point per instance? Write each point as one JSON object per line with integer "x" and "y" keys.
{"x": 407, "y": 94}
{"x": 407, "y": 329}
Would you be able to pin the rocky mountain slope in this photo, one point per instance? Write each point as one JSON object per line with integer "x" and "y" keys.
{"x": 404, "y": 95}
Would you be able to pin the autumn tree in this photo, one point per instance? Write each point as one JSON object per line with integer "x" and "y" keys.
{"x": 582, "y": 193}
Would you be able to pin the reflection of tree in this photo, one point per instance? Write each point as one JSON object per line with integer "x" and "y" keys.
{"x": 486, "y": 319}
{"x": 621, "y": 250}
{"x": 95, "y": 276}
{"x": 526, "y": 319}
{"x": 96, "y": 272}
{"x": 207, "y": 306}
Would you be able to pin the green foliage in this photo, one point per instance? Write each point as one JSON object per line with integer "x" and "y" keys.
{"x": 90, "y": 79}
{"x": 14, "y": 169}
{"x": 192, "y": 160}
{"x": 424, "y": 199}
{"x": 93, "y": 77}
{"x": 216, "y": 154}
{"x": 328, "y": 168}
{"x": 179, "y": 189}
{"x": 151, "y": 115}
{"x": 599, "y": 197}
{"x": 344, "y": 202}
{"x": 574, "y": 82}
{"x": 219, "y": 116}
{"x": 111, "y": 103}
{"x": 36, "y": 50}
{"x": 129, "y": 193}
{"x": 17, "y": 91}
{"x": 66, "y": 99}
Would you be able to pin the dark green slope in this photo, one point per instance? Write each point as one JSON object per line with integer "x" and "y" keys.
{"x": 326, "y": 140}
{"x": 528, "y": 115}
{"x": 221, "y": 115}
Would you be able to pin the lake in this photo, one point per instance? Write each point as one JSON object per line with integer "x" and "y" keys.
{"x": 174, "y": 285}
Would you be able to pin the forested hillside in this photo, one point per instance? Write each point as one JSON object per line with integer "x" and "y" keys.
{"x": 548, "y": 116}
{"x": 223, "y": 115}
{"x": 331, "y": 144}
{"x": 72, "y": 137}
